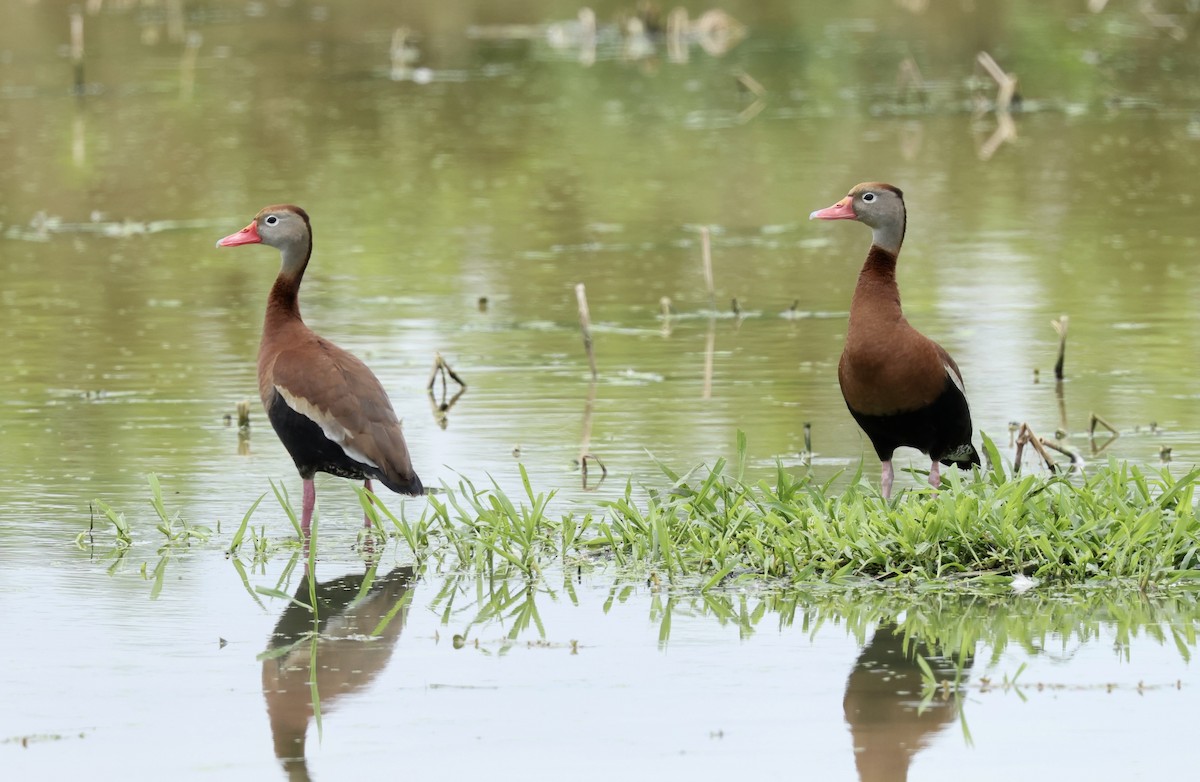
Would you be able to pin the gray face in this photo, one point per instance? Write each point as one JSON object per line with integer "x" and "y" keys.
{"x": 881, "y": 208}
{"x": 281, "y": 228}
{"x": 877, "y": 206}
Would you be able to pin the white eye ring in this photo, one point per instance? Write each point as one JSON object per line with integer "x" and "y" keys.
{"x": 868, "y": 198}
{"x": 271, "y": 220}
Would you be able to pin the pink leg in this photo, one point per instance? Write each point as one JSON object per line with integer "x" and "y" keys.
{"x": 310, "y": 501}
{"x": 366, "y": 518}
{"x": 935, "y": 476}
{"x": 887, "y": 479}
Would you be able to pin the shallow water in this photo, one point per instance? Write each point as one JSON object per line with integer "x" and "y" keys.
{"x": 498, "y": 165}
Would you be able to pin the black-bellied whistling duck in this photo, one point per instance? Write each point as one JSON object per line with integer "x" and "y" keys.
{"x": 329, "y": 410}
{"x": 901, "y": 387}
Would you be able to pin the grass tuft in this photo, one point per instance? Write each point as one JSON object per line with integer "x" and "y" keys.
{"x": 1120, "y": 523}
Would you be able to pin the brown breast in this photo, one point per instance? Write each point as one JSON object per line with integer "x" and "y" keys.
{"x": 883, "y": 372}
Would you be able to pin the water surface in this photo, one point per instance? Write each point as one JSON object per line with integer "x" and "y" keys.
{"x": 481, "y": 160}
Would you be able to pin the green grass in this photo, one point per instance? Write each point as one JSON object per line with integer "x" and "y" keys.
{"x": 1119, "y": 524}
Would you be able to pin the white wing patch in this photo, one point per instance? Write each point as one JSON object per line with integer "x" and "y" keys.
{"x": 954, "y": 378}
{"x": 960, "y": 454}
{"x": 329, "y": 425}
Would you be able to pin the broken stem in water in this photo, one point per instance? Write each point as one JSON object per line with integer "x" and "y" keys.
{"x": 1005, "y": 82}
{"x": 709, "y": 349}
{"x": 441, "y": 369}
{"x": 706, "y": 257}
{"x": 1060, "y": 326}
{"x": 77, "y": 47}
{"x": 1097, "y": 419}
{"x": 1026, "y": 436}
{"x": 585, "y": 443}
{"x": 585, "y": 323}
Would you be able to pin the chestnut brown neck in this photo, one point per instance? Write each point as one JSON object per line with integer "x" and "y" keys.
{"x": 876, "y": 296}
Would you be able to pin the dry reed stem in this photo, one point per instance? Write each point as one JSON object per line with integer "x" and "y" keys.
{"x": 77, "y": 47}
{"x": 750, "y": 83}
{"x": 710, "y": 346}
{"x": 583, "y": 460}
{"x": 441, "y": 369}
{"x": 908, "y": 74}
{"x": 585, "y": 325}
{"x": 1006, "y": 82}
{"x": 1062, "y": 407}
{"x": 1006, "y": 129}
{"x": 1096, "y": 419}
{"x": 1060, "y": 326}
{"x": 585, "y": 441}
{"x": 1099, "y": 419}
{"x": 1076, "y": 459}
{"x": 706, "y": 260}
{"x": 1026, "y": 436}
{"x": 440, "y": 409}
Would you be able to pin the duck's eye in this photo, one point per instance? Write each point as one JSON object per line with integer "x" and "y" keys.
{"x": 868, "y": 198}
{"x": 271, "y": 220}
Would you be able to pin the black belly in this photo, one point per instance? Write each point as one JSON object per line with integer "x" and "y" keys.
{"x": 311, "y": 450}
{"x": 941, "y": 429}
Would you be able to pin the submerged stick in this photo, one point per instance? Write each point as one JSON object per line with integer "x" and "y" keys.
{"x": 441, "y": 409}
{"x": 908, "y": 75}
{"x": 706, "y": 257}
{"x": 1006, "y": 82}
{"x": 1076, "y": 460}
{"x": 1063, "y": 429}
{"x": 585, "y": 442}
{"x": 1060, "y": 326}
{"x": 1026, "y": 436}
{"x": 585, "y": 324}
{"x": 1006, "y": 95}
{"x": 441, "y": 368}
{"x": 583, "y": 460}
{"x": 749, "y": 83}
{"x": 710, "y": 346}
{"x": 243, "y": 422}
{"x": 1097, "y": 419}
{"x": 77, "y": 47}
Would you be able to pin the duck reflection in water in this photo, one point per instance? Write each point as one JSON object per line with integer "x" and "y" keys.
{"x": 882, "y": 698}
{"x": 354, "y": 642}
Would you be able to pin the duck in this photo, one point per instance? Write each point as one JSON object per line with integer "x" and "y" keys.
{"x": 329, "y": 410}
{"x": 901, "y": 387}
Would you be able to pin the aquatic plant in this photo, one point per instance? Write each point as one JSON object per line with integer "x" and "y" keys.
{"x": 1119, "y": 523}
{"x": 177, "y": 530}
{"x": 120, "y": 525}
